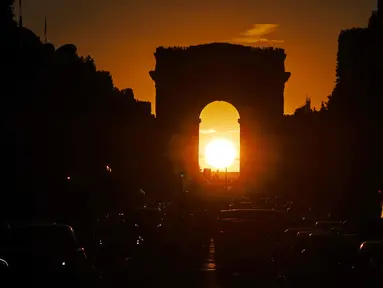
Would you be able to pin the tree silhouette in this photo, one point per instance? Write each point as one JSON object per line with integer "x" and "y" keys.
{"x": 323, "y": 106}
{"x": 7, "y": 13}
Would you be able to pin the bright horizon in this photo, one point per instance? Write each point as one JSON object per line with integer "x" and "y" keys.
{"x": 219, "y": 121}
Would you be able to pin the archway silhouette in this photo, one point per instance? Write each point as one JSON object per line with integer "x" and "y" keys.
{"x": 219, "y": 121}
{"x": 188, "y": 78}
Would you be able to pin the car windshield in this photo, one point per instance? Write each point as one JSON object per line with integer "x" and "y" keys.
{"x": 249, "y": 214}
{"x": 44, "y": 238}
{"x": 147, "y": 217}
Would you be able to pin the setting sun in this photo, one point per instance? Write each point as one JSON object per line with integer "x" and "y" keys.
{"x": 220, "y": 153}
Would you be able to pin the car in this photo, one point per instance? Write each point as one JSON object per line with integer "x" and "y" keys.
{"x": 247, "y": 240}
{"x": 46, "y": 252}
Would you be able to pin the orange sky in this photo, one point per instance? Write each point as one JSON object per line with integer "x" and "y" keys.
{"x": 122, "y": 35}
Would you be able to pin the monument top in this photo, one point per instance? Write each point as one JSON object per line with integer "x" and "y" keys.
{"x": 220, "y": 46}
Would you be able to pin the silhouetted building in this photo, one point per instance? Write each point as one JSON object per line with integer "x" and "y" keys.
{"x": 144, "y": 108}
{"x": 252, "y": 79}
{"x": 207, "y": 173}
{"x": 305, "y": 109}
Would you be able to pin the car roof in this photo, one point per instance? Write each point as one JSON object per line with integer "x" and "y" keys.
{"x": 253, "y": 210}
{"x": 45, "y": 226}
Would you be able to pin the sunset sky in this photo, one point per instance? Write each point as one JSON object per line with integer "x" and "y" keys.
{"x": 214, "y": 126}
{"x": 122, "y": 35}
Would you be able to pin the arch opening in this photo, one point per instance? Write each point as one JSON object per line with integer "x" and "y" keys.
{"x": 219, "y": 142}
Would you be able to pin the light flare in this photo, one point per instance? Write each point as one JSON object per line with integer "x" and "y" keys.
{"x": 220, "y": 153}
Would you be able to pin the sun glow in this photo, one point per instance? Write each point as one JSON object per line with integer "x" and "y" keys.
{"x": 220, "y": 153}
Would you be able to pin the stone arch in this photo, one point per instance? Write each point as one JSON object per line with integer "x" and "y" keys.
{"x": 187, "y": 79}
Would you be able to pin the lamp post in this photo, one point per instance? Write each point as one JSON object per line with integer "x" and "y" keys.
{"x": 226, "y": 177}
{"x": 182, "y": 181}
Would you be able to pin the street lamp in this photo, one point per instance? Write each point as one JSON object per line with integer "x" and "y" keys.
{"x": 182, "y": 175}
{"x": 226, "y": 177}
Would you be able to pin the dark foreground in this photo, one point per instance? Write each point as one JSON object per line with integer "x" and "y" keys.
{"x": 253, "y": 242}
